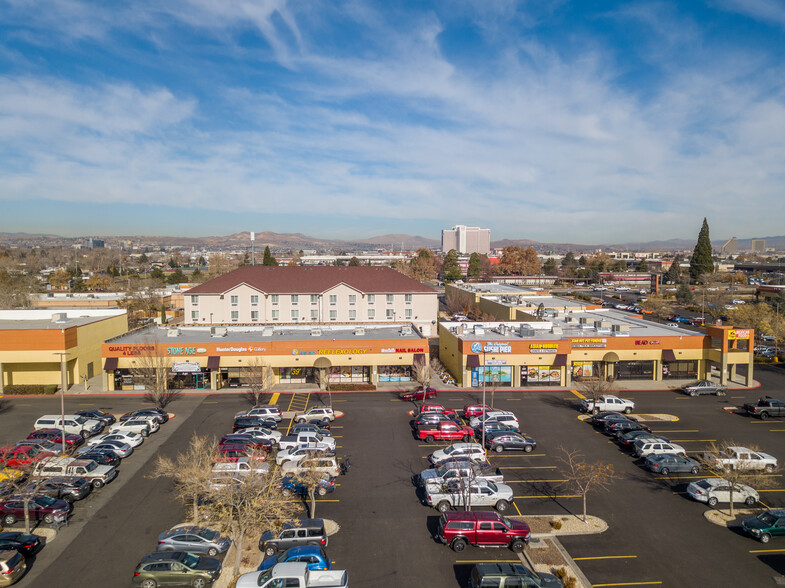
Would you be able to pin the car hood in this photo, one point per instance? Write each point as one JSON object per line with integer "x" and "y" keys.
{"x": 755, "y": 523}
{"x": 427, "y": 475}
{"x": 208, "y": 564}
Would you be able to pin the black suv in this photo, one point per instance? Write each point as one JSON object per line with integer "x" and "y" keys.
{"x": 100, "y": 456}
{"x": 304, "y": 532}
{"x": 99, "y": 415}
{"x": 69, "y": 488}
{"x": 506, "y": 575}
{"x": 245, "y": 422}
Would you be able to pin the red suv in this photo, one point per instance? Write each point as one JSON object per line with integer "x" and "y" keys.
{"x": 226, "y": 453}
{"x": 419, "y": 394}
{"x": 483, "y": 528}
{"x": 23, "y": 456}
{"x": 434, "y": 407}
{"x": 71, "y": 440}
{"x": 475, "y": 410}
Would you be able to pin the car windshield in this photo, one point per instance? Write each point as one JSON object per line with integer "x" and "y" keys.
{"x": 45, "y": 500}
{"x": 767, "y": 519}
{"x": 450, "y": 450}
{"x": 81, "y": 420}
{"x": 91, "y": 466}
{"x": 507, "y": 522}
{"x": 265, "y": 576}
{"x": 704, "y": 484}
{"x": 209, "y": 534}
{"x": 190, "y": 560}
{"x": 493, "y": 487}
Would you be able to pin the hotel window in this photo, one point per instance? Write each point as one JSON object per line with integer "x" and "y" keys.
{"x": 275, "y": 315}
{"x": 371, "y": 313}
{"x": 295, "y": 315}
{"x": 314, "y": 298}
{"x": 352, "y": 298}
{"x": 254, "y": 315}
{"x": 333, "y": 299}
{"x": 314, "y": 315}
{"x": 408, "y": 312}
{"x": 407, "y": 298}
{"x": 352, "y": 315}
{"x": 274, "y": 298}
{"x": 333, "y": 315}
{"x": 235, "y": 316}
{"x": 235, "y": 300}
{"x": 295, "y": 299}
{"x": 389, "y": 299}
{"x": 194, "y": 315}
{"x": 390, "y": 314}
{"x": 195, "y": 300}
{"x": 254, "y": 300}
{"x": 371, "y": 298}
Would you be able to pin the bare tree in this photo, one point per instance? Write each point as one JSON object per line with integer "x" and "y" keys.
{"x": 659, "y": 306}
{"x": 583, "y": 477}
{"x": 259, "y": 377}
{"x": 323, "y": 381}
{"x": 25, "y": 487}
{"x": 422, "y": 372}
{"x": 311, "y": 478}
{"x": 151, "y": 369}
{"x": 595, "y": 387}
{"x": 191, "y": 471}
{"x": 740, "y": 472}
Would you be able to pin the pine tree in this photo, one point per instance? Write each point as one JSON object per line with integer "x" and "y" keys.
{"x": 268, "y": 257}
{"x": 701, "y": 261}
{"x": 673, "y": 275}
{"x": 549, "y": 267}
{"x": 451, "y": 270}
{"x": 475, "y": 266}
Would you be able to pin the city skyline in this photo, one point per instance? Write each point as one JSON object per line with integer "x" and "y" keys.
{"x": 555, "y": 122}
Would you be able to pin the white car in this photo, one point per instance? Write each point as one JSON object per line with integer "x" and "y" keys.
{"x": 150, "y": 420}
{"x": 325, "y": 465}
{"x": 242, "y": 467}
{"x": 648, "y": 447}
{"x": 132, "y": 426}
{"x": 264, "y": 433}
{"x": 501, "y": 416}
{"x": 715, "y": 490}
{"x": 295, "y": 454}
{"x": 268, "y": 411}
{"x": 132, "y": 439}
{"x": 473, "y": 451}
{"x": 607, "y": 402}
{"x": 622, "y": 288}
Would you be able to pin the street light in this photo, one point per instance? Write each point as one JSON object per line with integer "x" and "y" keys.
{"x": 484, "y": 407}
{"x": 63, "y": 386}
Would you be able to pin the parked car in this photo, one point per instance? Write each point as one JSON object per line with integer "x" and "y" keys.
{"x": 704, "y": 387}
{"x": 491, "y": 427}
{"x": 743, "y": 458}
{"x": 715, "y": 490}
{"x": 456, "y": 494}
{"x": 12, "y": 567}
{"x": 501, "y": 416}
{"x": 160, "y": 415}
{"x": 459, "y": 529}
{"x": 246, "y": 422}
{"x": 55, "y": 435}
{"x": 41, "y": 444}
{"x": 295, "y": 574}
{"x": 460, "y": 470}
{"x": 665, "y": 463}
{"x": 473, "y": 451}
{"x": 294, "y": 485}
{"x": 267, "y": 411}
{"x": 249, "y": 440}
{"x": 99, "y": 456}
{"x": 504, "y": 441}
{"x": 12, "y": 475}
{"x": 303, "y": 532}
{"x": 508, "y": 575}
{"x": 304, "y": 438}
{"x": 53, "y": 467}
{"x": 607, "y": 402}
{"x": 71, "y": 423}
{"x": 22, "y": 456}
{"x": 644, "y": 448}
{"x": 120, "y": 449}
{"x": 243, "y": 466}
{"x": 68, "y": 488}
{"x": 226, "y": 453}
{"x": 263, "y": 432}
{"x": 617, "y": 427}
{"x": 176, "y": 568}
{"x": 132, "y": 439}
{"x": 766, "y": 525}
{"x": 135, "y": 425}
{"x": 193, "y": 539}
{"x": 321, "y": 414}
{"x": 324, "y": 464}
{"x": 295, "y": 454}
{"x": 312, "y": 555}
{"x": 765, "y": 407}
{"x": 98, "y": 415}
{"x": 427, "y": 407}
{"x": 473, "y": 410}
{"x": 433, "y": 418}
{"x": 25, "y": 543}
{"x": 627, "y": 440}
{"x": 309, "y": 428}
{"x": 419, "y": 394}
{"x": 40, "y": 508}
{"x": 598, "y": 420}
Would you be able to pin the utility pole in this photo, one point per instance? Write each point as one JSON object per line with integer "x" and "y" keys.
{"x": 253, "y": 241}
{"x": 484, "y": 410}
{"x": 63, "y": 386}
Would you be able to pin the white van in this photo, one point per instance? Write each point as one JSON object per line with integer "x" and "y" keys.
{"x": 74, "y": 424}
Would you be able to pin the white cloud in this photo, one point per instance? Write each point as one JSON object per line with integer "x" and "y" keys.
{"x": 770, "y": 11}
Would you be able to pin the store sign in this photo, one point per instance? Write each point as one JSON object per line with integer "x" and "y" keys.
{"x": 738, "y": 334}
{"x": 491, "y": 347}
{"x": 646, "y": 342}
{"x": 181, "y": 351}
{"x": 329, "y": 351}
{"x": 543, "y": 347}
{"x": 588, "y": 342}
{"x": 387, "y": 350}
{"x": 186, "y": 367}
{"x": 496, "y": 362}
{"x": 131, "y": 350}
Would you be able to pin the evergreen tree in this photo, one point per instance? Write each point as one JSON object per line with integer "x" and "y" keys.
{"x": 582, "y": 261}
{"x": 702, "y": 261}
{"x": 157, "y": 274}
{"x": 642, "y": 266}
{"x": 172, "y": 263}
{"x": 673, "y": 275}
{"x": 268, "y": 258}
{"x": 451, "y": 270}
{"x": 475, "y": 266}
{"x": 176, "y": 277}
{"x": 549, "y": 267}
{"x": 163, "y": 314}
{"x": 568, "y": 259}
{"x": 354, "y": 261}
{"x": 143, "y": 258}
{"x": 684, "y": 294}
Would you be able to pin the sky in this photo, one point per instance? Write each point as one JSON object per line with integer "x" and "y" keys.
{"x": 556, "y": 121}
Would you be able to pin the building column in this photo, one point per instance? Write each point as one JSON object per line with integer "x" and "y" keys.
{"x": 724, "y": 370}
{"x": 732, "y": 372}
{"x": 516, "y": 377}
{"x": 567, "y": 375}
{"x": 657, "y": 371}
{"x": 2, "y": 380}
{"x": 749, "y": 370}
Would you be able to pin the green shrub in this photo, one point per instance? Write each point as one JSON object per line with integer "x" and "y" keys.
{"x": 556, "y": 524}
{"x": 30, "y": 389}
{"x": 351, "y": 387}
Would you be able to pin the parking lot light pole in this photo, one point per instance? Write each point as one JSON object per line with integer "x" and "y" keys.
{"x": 63, "y": 386}
{"x": 484, "y": 409}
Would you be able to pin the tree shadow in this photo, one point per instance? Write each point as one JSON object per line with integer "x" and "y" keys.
{"x": 5, "y": 405}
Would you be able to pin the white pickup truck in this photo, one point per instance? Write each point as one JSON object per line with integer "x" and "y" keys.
{"x": 607, "y": 402}
{"x": 476, "y": 493}
{"x": 294, "y": 575}
{"x": 741, "y": 458}
{"x": 292, "y": 441}
{"x": 457, "y": 470}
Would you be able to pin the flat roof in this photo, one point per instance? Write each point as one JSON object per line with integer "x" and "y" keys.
{"x": 49, "y": 318}
{"x": 495, "y": 288}
{"x": 532, "y": 301}
{"x": 270, "y": 332}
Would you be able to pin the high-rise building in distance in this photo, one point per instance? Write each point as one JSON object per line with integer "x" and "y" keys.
{"x": 758, "y": 245}
{"x": 467, "y": 239}
{"x": 730, "y": 247}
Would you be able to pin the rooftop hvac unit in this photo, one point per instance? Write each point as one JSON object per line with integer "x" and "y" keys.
{"x": 479, "y": 330}
{"x": 406, "y": 330}
{"x": 621, "y": 330}
{"x": 267, "y": 332}
{"x": 218, "y": 331}
{"x": 569, "y": 319}
{"x": 602, "y": 325}
{"x": 316, "y": 332}
{"x": 526, "y": 331}
{"x": 583, "y": 320}
{"x": 59, "y": 317}
{"x": 359, "y": 331}
{"x": 556, "y": 330}
{"x": 173, "y": 332}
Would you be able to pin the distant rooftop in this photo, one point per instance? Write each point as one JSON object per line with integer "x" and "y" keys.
{"x": 54, "y": 318}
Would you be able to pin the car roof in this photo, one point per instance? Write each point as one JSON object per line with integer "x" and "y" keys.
{"x": 194, "y": 529}
{"x": 477, "y": 515}
{"x": 163, "y": 556}
{"x": 304, "y": 550}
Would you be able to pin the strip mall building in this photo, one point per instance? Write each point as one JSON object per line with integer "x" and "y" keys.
{"x": 218, "y": 357}
{"x": 589, "y": 343}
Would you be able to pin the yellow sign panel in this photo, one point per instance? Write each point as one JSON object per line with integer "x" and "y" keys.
{"x": 738, "y": 334}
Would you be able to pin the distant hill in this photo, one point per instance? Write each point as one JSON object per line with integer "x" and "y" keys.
{"x": 395, "y": 240}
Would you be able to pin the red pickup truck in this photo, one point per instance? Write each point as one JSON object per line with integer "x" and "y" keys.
{"x": 444, "y": 430}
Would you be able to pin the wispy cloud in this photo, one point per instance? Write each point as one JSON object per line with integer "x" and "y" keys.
{"x": 769, "y": 11}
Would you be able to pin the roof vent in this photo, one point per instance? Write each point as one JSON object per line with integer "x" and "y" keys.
{"x": 218, "y": 331}
{"x": 526, "y": 331}
{"x": 316, "y": 332}
{"x": 479, "y": 329}
{"x": 173, "y": 332}
{"x": 556, "y": 330}
{"x": 267, "y": 332}
{"x": 60, "y": 317}
{"x": 621, "y": 330}
{"x": 359, "y": 331}
{"x": 405, "y": 330}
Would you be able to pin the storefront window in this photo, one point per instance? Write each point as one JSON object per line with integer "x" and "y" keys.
{"x": 395, "y": 373}
{"x": 296, "y": 375}
{"x": 682, "y": 370}
{"x": 540, "y": 376}
{"x": 494, "y": 375}
{"x": 340, "y": 375}
{"x": 583, "y": 369}
{"x": 634, "y": 370}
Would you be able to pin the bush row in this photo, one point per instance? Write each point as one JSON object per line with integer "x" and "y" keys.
{"x": 31, "y": 389}
{"x": 351, "y": 387}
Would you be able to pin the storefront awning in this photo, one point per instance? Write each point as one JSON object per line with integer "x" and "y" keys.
{"x": 561, "y": 360}
{"x": 668, "y": 355}
{"x": 213, "y": 362}
{"x": 322, "y": 363}
{"x": 110, "y": 364}
{"x": 473, "y": 361}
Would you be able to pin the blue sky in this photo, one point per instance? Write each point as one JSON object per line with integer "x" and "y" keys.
{"x": 588, "y": 122}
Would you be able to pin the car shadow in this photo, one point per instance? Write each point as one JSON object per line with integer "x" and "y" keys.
{"x": 462, "y": 573}
{"x": 432, "y": 524}
{"x": 560, "y": 401}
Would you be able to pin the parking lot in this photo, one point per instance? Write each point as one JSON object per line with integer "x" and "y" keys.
{"x": 657, "y": 534}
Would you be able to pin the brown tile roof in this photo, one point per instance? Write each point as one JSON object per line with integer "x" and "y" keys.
{"x": 313, "y": 280}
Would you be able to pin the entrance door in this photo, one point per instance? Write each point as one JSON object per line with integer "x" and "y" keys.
{"x": 199, "y": 380}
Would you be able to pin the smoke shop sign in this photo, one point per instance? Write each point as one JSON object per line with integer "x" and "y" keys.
{"x": 588, "y": 342}
{"x": 491, "y": 347}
